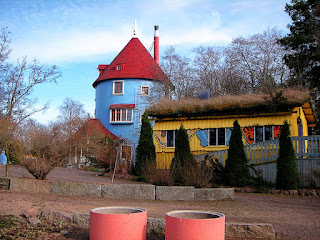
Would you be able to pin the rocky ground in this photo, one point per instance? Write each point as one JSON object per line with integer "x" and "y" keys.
{"x": 293, "y": 217}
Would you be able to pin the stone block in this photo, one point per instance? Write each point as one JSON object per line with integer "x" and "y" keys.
{"x": 130, "y": 191}
{"x": 56, "y": 216}
{"x": 166, "y": 193}
{"x": 82, "y": 220}
{"x": 29, "y": 185}
{"x": 214, "y": 194}
{"x": 249, "y": 231}
{"x": 75, "y": 189}
{"x": 4, "y": 183}
{"x": 156, "y": 225}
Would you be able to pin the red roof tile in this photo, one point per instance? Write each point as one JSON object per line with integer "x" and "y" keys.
{"x": 136, "y": 62}
{"x": 95, "y": 125}
{"x": 122, "y": 106}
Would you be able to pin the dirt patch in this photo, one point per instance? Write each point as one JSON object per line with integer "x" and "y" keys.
{"x": 293, "y": 217}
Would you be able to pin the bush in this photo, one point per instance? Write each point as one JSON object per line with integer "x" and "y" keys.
{"x": 287, "y": 169}
{"x": 183, "y": 159}
{"x": 146, "y": 153}
{"x": 199, "y": 175}
{"x": 237, "y": 168}
{"x": 218, "y": 173}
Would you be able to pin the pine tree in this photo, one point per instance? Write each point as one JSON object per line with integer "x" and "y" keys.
{"x": 303, "y": 42}
{"x": 183, "y": 158}
{"x": 287, "y": 170}
{"x": 237, "y": 168}
{"x": 146, "y": 153}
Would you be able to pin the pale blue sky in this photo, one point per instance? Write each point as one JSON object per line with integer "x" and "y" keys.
{"x": 77, "y": 35}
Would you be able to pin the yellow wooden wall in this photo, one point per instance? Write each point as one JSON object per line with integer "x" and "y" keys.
{"x": 165, "y": 154}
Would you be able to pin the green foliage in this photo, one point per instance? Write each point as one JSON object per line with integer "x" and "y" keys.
{"x": 183, "y": 158}
{"x": 287, "y": 170}
{"x": 237, "y": 168}
{"x": 14, "y": 152}
{"x": 218, "y": 173}
{"x": 146, "y": 152}
{"x": 303, "y": 39}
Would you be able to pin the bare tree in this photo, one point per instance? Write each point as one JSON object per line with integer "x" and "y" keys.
{"x": 180, "y": 72}
{"x": 260, "y": 60}
{"x": 209, "y": 64}
{"x": 72, "y": 116}
{"x": 17, "y": 82}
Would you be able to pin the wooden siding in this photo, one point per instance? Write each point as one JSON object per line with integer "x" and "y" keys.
{"x": 165, "y": 154}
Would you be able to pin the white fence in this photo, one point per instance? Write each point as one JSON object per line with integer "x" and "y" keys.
{"x": 263, "y": 156}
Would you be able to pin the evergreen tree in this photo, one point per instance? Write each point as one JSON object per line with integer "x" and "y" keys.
{"x": 146, "y": 153}
{"x": 303, "y": 42}
{"x": 237, "y": 168}
{"x": 287, "y": 170}
{"x": 183, "y": 158}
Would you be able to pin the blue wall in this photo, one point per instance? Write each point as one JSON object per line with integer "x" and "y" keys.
{"x": 105, "y": 98}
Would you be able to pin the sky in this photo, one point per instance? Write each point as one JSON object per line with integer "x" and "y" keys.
{"x": 78, "y": 35}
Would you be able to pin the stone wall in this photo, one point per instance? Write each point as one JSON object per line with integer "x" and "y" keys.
{"x": 129, "y": 191}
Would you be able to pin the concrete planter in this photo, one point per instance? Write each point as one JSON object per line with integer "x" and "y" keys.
{"x": 118, "y": 223}
{"x": 192, "y": 225}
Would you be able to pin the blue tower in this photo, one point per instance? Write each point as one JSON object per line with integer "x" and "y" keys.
{"x": 124, "y": 89}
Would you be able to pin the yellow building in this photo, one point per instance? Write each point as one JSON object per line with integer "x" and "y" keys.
{"x": 209, "y": 122}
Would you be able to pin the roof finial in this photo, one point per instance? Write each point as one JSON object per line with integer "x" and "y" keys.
{"x": 135, "y": 32}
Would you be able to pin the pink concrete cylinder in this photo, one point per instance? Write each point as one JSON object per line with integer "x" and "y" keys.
{"x": 118, "y": 223}
{"x": 194, "y": 225}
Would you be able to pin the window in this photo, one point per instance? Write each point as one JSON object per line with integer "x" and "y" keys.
{"x": 121, "y": 115}
{"x": 217, "y": 136}
{"x": 260, "y": 133}
{"x": 144, "y": 90}
{"x": 263, "y": 133}
{"x": 118, "y": 87}
{"x": 171, "y": 138}
{"x": 119, "y": 67}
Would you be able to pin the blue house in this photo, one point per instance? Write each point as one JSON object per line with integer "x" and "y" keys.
{"x": 124, "y": 88}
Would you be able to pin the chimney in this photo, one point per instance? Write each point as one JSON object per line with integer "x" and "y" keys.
{"x": 156, "y": 44}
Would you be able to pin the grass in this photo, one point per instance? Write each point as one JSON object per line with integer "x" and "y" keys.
{"x": 232, "y": 104}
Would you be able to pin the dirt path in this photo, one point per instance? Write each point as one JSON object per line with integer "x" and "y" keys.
{"x": 293, "y": 217}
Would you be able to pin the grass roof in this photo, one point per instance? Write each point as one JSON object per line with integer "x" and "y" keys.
{"x": 279, "y": 101}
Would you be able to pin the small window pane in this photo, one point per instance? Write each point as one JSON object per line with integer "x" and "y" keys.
{"x": 221, "y": 136}
{"x": 212, "y": 137}
{"x": 259, "y": 134}
{"x": 118, "y": 114}
{"x": 124, "y": 115}
{"x": 267, "y": 133}
{"x": 129, "y": 115}
{"x": 113, "y": 115}
{"x": 170, "y": 138}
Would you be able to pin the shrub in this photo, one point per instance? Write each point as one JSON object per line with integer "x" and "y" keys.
{"x": 287, "y": 169}
{"x": 218, "y": 173}
{"x": 237, "y": 168}
{"x": 183, "y": 159}
{"x": 146, "y": 153}
{"x": 198, "y": 175}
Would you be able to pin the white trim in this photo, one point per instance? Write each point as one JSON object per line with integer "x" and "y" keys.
{"x": 142, "y": 92}
{"x": 113, "y": 87}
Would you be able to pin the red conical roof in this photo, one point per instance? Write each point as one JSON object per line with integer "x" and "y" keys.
{"x": 135, "y": 62}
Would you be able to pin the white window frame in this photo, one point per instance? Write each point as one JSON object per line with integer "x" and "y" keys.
{"x": 114, "y": 85}
{"x": 121, "y": 110}
{"x": 142, "y": 92}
